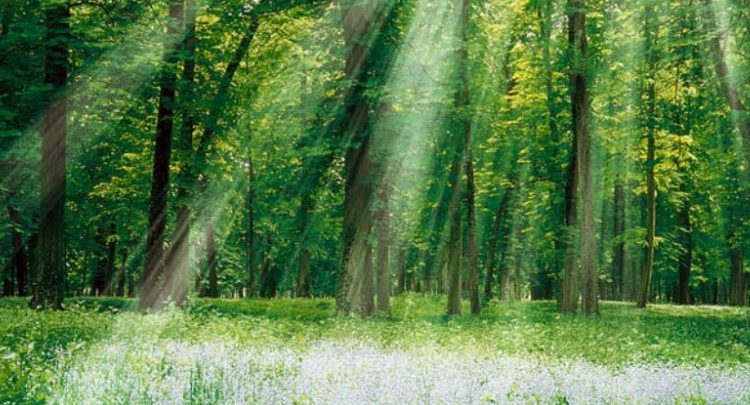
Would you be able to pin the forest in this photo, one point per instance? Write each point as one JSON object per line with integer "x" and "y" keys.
{"x": 239, "y": 199}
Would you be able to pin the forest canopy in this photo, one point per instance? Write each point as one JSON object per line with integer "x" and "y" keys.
{"x": 576, "y": 151}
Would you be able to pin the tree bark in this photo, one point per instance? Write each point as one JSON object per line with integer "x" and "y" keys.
{"x": 497, "y": 233}
{"x": 267, "y": 281}
{"x": 645, "y": 280}
{"x": 303, "y": 272}
{"x": 250, "y": 236}
{"x": 463, "y": 103}
{"x": 383, "y": 235}
{"x": 730, "y": 92}
{"x": 104, "y": 272}
{"x": 122, "y": 273}
{"x": 401, "y": 270}
{"x": 364, "y": 24}
{"x": 358, "y": 25}
{"x": 568, "y": 299}
{"x": 213, "y": 277}
{"x": 50, "y": 283}
{"x": 686, "y": 257}
{"x": 455, "y": 243}
{"x": 368, "y": 294}
{"x": 737, "y": 282}
{"x": 580, "y": 111}
{"x": 152, "y": 282}
{"x": 619, "y": 230}
{"x": 179, "y": 255}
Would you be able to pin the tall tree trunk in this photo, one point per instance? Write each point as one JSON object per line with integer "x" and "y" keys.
{"x": 471, "y": 239}
{"x": 122, "y": 273}
{"x": 111, "y": 252}
{"x": 429, "y": 269}
{"x": 737, "y": 282}
{"x": 197, "y": 164}
{"x": 50, "y": 283}
{"x": 463, "y": 103}
{"x": 686, "y": 257}
{"x": 266, "y": 281}
{"x": 19, "y": 260}
{"x": 213, "y": 277}
{"x": 460, "y": 159}
{"x": 358, "y": 25}
{"x": 401, "y": 269}
{"x": 383, "y": 235}
{"x": 568, "y": 299}
{"x": 179, "y": 256}
{"x": 492, "y": 250}
{"x": 303, "y": 273}
{"x": 152, "y": 282}
{"x": 619, "y": 230}
{"x": 580, "y": 106}
{"x": 368, "y": 293}
{"x": 365, "y": 23}
{"x": 455, "y": 243}
{"x": 250, "y": 236}
{"x": 731, "y": 93}
{"x": 100, "y": 279}
{"x": 561, "y": 210}
{"x": 645, "y": 280}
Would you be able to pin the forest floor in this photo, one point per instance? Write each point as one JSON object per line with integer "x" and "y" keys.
{"x": 296, "y": 351}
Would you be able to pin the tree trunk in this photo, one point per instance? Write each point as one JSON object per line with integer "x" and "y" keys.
{"x": 50, "y": 285}
{"x": 368, "y": 294}
{"x": 619, "y": 230}
{"x": 737, "y": 282}
{"x": 383, "y": 235}
{"x": 303, "y": 274}
{"x": 561, "y": 210}
{"x": 496, "y": 234}
{"x": 267, "y": 284}
{"x": 19, "y": 260}
{"x": 104, "y": 253}
{"x": 213, "y": 277}
{"x": 463, "y": 104}
{"x": 455, "y": 242}
{"x": 731, "y": 93}
{"x": 580, "y": 106}
{"x": 471, "y": 241}
{"x": 568, "y": 299}
{"x": 686, "y": 258}
{"x": 152, "y": 282}
{"x": 358, "y": 22}
{"x": 250, "y": 236}
{"x": 198, "y": 163}
{"x": 179, "y": 256}
{"x": 428, "y": 270}
{"x": 122, "y": 273}
{"x": 650, "y": 163}
{"x": 401, "y": 270}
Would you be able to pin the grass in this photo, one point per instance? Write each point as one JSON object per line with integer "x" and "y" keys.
{"x": 37, "y": 347}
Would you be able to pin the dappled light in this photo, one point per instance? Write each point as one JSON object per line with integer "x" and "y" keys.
{"x": 374, "y": 201}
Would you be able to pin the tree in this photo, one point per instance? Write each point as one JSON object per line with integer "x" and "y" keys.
{"x": 179, "y": 254}
{"x": 471, "y": 217}
{"x": 580, "y": 111}
{"x": 152, "y": 282}
{"x": 650, "y": 106}
{"x": 50, "y": 279}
